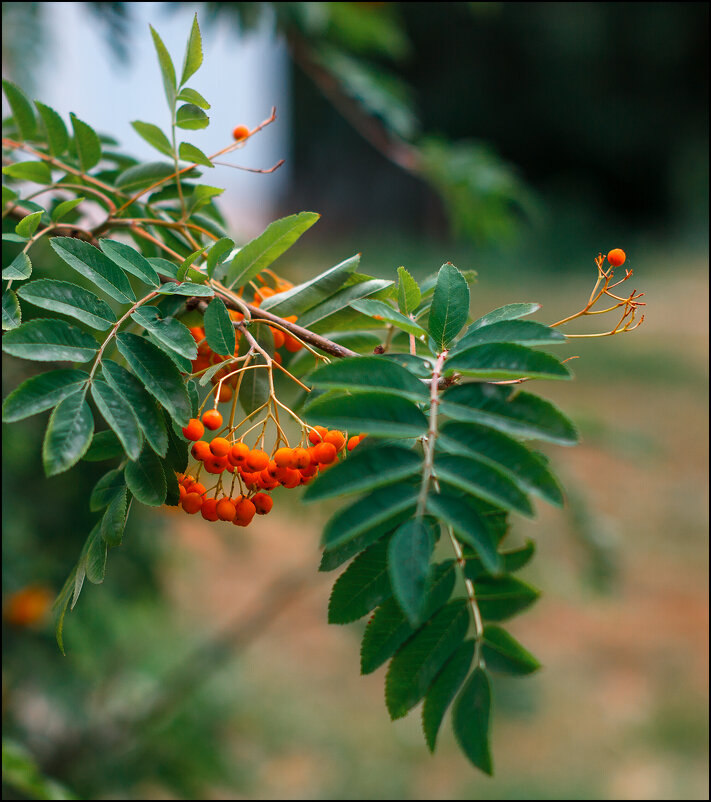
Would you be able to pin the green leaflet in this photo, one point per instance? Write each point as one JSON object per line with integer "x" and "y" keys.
{"x": 46, "y": 340}
{"x": 506, "y": 361}
{"x": 332, "y": 312}
{"x": 518, "y": 413}
{"x": 216, "y": 257}
{"x": 68, "y": 434}
{"x": 68, "y": 299}
{"x": 144, "y": 406}
{"x": 369, "y": 412}
{"x": 62, "y": 209}
{"x": 143, "y": 175}
{"x": 21, "y": 108}
{"x": 363, "y": 373}
{"x": 385, "y": 312}
{"x": 408, "y": 292}
{"x": 119, "y": 415}
{"x": 157, "y": 373}
{"x": 444, "y": 689}
{"x": 154, "y": 136}
{"x": 57, "y": 135}
{"x": 28, "y": 225}
{"x": 219, "y": 328}
{"x": 508, "y": 312}
{"x": 521, "y": 332}
{"x": 511, "y": 559}
{"x": 186, "y": 288}
{"x": 500, "y": 598}
{"x": 268, "y": 246}
{"x": 177, "y": 454}
{"x": 130, "y": 260}
{"x": 191, "y": 96}
{"x": 409, "y": 553}
{"x": 483, "y": 480}
{"x": 87, "y": 144}
{"x": 114, "y": 520}
{"x": 146, "y": 480}
{"x": 19, "y": 269}
{"x": 191, "y": 117}
{"x": 42, "y": 392}
{"x": 11, "y": 313}
{"x": 365, "y": 469}
{"x": 38, "y": 172}
{"x": 361, "y": 587}
{"x": 169, "y": 332}
{"x": 470, "y": 719}
{"x": 416, "y": 664}
{"x": 525, "y": 467}
{"x": 166, "y": 67}
{"x": 106, "y": 489}
{"x": 94, "y": 265}
{"x": 503, "y": 653}
{"x": 189, "y": 153}
{"x": 450, "y": 306}
{"x": 193, "y": 52}
{"x": 104, "y": 446}
{"x": 373, "y": 512}
{"x": 388, "y": 628}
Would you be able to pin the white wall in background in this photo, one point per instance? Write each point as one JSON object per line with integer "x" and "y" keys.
{"x": 242, "y": 76}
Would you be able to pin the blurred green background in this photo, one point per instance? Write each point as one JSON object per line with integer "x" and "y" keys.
{"x": 204, "y": 667}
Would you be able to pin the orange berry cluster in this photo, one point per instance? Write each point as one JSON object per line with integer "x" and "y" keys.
{"x": 257, "y": 472}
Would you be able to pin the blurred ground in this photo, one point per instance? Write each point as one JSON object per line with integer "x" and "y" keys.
{"x": 619, "y": 710}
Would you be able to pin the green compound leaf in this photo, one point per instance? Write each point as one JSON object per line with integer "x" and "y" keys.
{"x": 522, "y": 465}
{"x": 146, "y": 480}
{"x": 68, "y": 299}
{"x": 502, "y": 597}
{"x": 21, "y": 108}
{"x": 118, "y": 414}
{"x": 114, "y": 520}
{"x": 40, "y": 393}
{"x": 470, "y": 720}
{"x": 518, "y": 413}
{"x": 483, "y": 480}
{"x": 91, "y": 263}
{"x": 219, "y": 328}
{"x": 506, "y": 361}
{"x": 168, "y": 331}
{"x": 409, "y": 553}
{"x": 157, "y": 373}
{"x": 385, "y": 312}
{"x": 11, "y": 312}
{"x": 369, "y": 412}
{"x": 144, "y": 406}
{"x": 520, "y": 332}
{"x": 189, "y": 153}
{"x": 62, "y": 209}
{"x": 260, "y": 252}
{"x": 191, "y": 117}
{"x": 417, "y": 663}
{"x": 45, "y": 340}
{"x": 304, "y": 297}
{"x": 87, "y": 143}
{"x": 504, "y": 654}
{"x": 130, "y": 260}
{"x": 371, "y": 514}
{"x": 361, "y": 587}
{"x": 388, "y": 628}
{"x": 166, "y": 67}
{"x": 444, "y": 689}
{"x": 469, "y": 526}
{"x": 38, "y": 172}
{"x": 107, "y": 488}
{"x": 450, "y": 306}
{"x": 364, "y": 373}
{"x": 28, "y": 225}
{"x": 68, "y": 434}
{"x": 365, "y": 469}
{"x": 104, "y": 446}
{"x": 408, "y": 292}
{"x": 154, "y": 136}
{"x": 508, "y": 312}
{"x": 193, "y": 52}
{"x": 19, "y": 269}
{"x": 56, "y": 130}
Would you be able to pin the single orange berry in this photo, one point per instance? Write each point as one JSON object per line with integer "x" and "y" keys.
{"x": 291, "y": 344}
{"x": 220, "y": 446}
{"x": 317, "y": 434}
{"x": 215, "y": 465}
{"x": 302, "y": 458}
{"x": 616, "y": 257}
{"x": 245, "y": 510}
{"x": 353, "y": 442}
{"x": 240, "y": 132}
{"x": 212, "y": 419}
{"x": 196, "y": 487}
{"x": 198, "y": 333}
{"x": 336, "y": 438}
{"x": 209, "y": 510}
{"x": 238, "y": 453}
{"x": 201, "y": 450}
{"x": 225, "y": 394}
{"x": 194, "y": 430}
{"x": 192, "y": 502}
{"x": 278, "y": 335}
{"x": 292, "y": 478}
{"x": 225, "y": 509}
{"x": 257, "y": 460}
{"x": 277, "y": 358}
{"x": 284, "y": 457}
{"x": 28, "y": 606}
{"x": 325, "y": 453}
{"x": 262, "y": 503}
{"x": 309, "y": 470}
